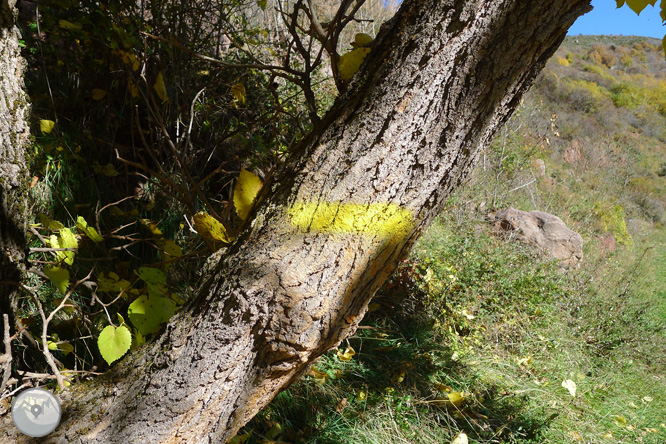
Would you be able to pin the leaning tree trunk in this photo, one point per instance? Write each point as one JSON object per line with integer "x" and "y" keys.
{"x": 14, "y": 133}
{"x": 333, "y": 224}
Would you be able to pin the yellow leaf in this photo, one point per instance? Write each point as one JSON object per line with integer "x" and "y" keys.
{"x": 443, "y": 387}
{"x": 638, "y": 5}
{"x": 620, "y": 420}
{"x": 461, "y": 438}
{"x": 373, "y": 306}
{"x": 64, "y": 24}
{"x": 274, "y": 433}
{"x": 570, "y": 386}
{"x": 347, "y": 355}
{"x": 238, "y": 90}
{"x": 46, "y": 126}
{"x": 98, "y": 94}
{"x": 318, "y": 376}
{"x": 398, "y": 377}
{"x": 362, "y": 39}
{"x": 247, "y": 188}
{"x": 160, "y": 88}
{"x": 107, "y": 170}
{"x": 456, "y": 398}
{"x": 240, "y": 439}
{"x": 65, "y": 347}
{"x": 152, "y": 226}
{"x": 171, "y": 249}
{"x": 89, "y": 231}
{"x": 350, "y": 63}
{"x": 133, "y": 89}
{"x": 525, "y": 361}
{"x": 59, "y": 277}
{"x": 209, "y": 227}
{"x": 361, "y": 395}
{"x": 577, "y": 436}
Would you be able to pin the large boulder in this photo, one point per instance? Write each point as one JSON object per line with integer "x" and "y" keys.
{"x": 543, "y": 230}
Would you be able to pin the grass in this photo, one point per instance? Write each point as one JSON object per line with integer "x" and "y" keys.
{"x": 507, "y": 351}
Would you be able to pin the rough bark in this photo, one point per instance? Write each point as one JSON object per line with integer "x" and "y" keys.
{"x": 442, "y": 78}
{"x": 14, "y": 133}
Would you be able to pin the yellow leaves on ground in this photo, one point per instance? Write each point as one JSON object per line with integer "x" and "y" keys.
{"x": 98, "y": 94}
{"x": 347, "y": 355}
{"x": 379, "y": 219}
{"x": 160, "y": 88}
{"x": 59, "y": 277}
{"x": 210, "y": 228}
{"x": 246, "y": 191}
{"x": 349, "y": 63}
{"x": 320, "y": 377}
{"x": 238, "y": 90}
{"x": 46, "y": 126}
{"x": 461, "y": 438}
{"x": 570, "y": 386}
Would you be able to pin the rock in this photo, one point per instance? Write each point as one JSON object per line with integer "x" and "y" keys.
{"x": 545, "y": 231}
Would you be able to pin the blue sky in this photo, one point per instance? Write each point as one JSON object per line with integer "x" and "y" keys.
{"x": 607, "y": 19}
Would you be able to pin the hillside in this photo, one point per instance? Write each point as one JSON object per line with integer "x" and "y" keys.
{"x": 483, "y": 335}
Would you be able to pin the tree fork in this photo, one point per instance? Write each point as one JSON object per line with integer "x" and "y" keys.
{"x": 333, "y": 224}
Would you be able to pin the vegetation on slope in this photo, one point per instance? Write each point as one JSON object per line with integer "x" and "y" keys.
{"x": 474, "y": 334}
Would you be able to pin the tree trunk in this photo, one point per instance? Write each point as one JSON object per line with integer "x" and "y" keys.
{"x": 333, "y": 224}
{"x": 14, "y": 133}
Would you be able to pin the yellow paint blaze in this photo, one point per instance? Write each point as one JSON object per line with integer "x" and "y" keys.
{"x": 377, "y": 219}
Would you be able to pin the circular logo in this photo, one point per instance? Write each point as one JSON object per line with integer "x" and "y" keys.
{"x": 36, "y": 412}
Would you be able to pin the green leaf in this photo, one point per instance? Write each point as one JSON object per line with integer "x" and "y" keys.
{"x": 114, "y": 342}
{"x": 111, "y": 282}
{"x": 171, "y": 249}
{"x": 89, "y": 231}
{"x": 46, "y": 126}
{"x": 147, "y": 312}
{"x": 262, "y": 4}
{"x": 247, "y": 188}
{"x": 209, "y": 227}
{"x": 663, "y": 11}
{"x": 155, "y": 280}
{"x": 59, "y": 277}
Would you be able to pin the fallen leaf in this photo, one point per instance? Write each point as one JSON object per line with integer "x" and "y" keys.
{"x": 570, "y": 386}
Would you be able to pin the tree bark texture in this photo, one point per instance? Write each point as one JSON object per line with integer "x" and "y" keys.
{"x": 442, "y": 79}
{"x": 14, "y": 134}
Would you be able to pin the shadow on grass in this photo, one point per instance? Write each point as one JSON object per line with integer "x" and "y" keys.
{"x": 400, "y": 374}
